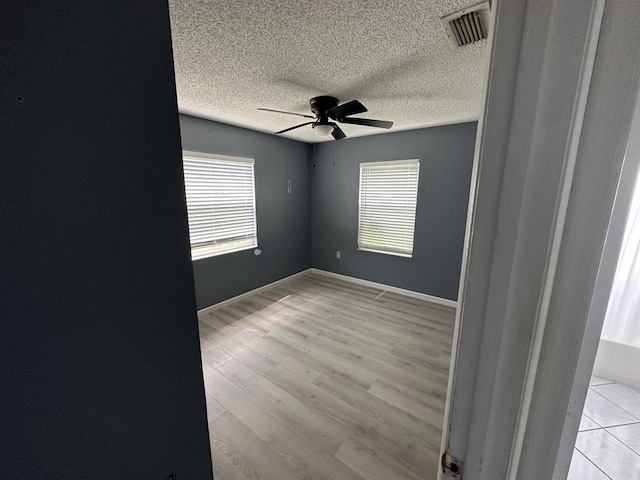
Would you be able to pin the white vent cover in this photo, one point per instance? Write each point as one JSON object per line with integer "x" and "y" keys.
{"x": 469, "y": 25}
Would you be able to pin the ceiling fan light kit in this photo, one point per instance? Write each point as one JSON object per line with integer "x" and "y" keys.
{"x": 326, "y": 108}
{"x": 323, "y": 129}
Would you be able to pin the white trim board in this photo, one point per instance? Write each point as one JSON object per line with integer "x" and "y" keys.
{"x": 409, "y": 293}
{"x": 237, "y": 298}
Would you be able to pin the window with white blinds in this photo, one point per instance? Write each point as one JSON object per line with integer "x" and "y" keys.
{"x": 387, "y": 217}
{"x": 221, "y": 203}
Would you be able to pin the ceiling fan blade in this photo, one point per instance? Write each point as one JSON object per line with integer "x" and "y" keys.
{"x": 367, "y": 122}
{"x": 346, "y": 109}
{"x": 282, "y": 111}
{"x": 291, "y": 128}
{"x": 337, "y": 133}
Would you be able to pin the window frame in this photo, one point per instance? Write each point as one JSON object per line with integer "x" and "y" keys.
{"x": 397, "y": 253}
{"x": 227, "y": 159}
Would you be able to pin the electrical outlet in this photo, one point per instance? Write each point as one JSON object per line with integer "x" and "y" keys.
{"x": 337, "y": 253}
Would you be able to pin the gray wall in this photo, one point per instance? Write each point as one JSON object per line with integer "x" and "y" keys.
{"x": 282, "y": 218}
{"x": 446, "y": 156}
{"x": 99, "y": 355}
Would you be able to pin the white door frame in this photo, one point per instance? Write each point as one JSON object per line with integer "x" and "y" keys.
{"x": 600, "y": 298}
{"x": 561, "y": 90}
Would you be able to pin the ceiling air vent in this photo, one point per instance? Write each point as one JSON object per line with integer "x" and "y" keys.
{"x": 469, "y": 25}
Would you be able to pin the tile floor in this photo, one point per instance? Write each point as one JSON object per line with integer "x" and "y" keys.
{"x": 608, "y": 444}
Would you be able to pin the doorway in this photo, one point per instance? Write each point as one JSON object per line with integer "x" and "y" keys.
{"x": 608, "y": 441}
{"x": 554, "y": 135}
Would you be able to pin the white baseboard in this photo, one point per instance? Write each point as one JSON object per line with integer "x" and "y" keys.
{"x": 409, "y": 293}
{"x": 380, "y": 286}
{"x": 618, "y": 362}
{"x": 237, "y": 298}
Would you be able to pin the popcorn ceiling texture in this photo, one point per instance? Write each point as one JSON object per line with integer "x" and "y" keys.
{"x": 393, "y": 55}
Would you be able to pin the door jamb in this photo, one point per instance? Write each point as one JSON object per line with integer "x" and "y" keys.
{"x": 619, "y": 67}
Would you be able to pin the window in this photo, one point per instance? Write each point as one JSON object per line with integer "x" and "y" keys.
{"x": 388, "y": 194}
{"x": 221, "y": 204}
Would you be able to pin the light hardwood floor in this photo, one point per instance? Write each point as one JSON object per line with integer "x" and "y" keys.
{"x": 323, "y": 379}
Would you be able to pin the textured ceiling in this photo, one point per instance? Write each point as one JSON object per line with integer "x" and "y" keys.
{"x": 392, "y": 55}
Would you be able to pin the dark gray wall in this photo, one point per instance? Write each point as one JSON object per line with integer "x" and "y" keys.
{"x": 282, "y": 218}
{"x": 446, "y": 156}
{"x": 99, "y": 355}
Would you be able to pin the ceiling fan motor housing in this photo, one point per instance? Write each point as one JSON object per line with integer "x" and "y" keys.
{"x": 320, "y": 105}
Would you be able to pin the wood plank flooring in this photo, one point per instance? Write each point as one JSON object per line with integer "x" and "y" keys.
{"x": 321, "y": 379}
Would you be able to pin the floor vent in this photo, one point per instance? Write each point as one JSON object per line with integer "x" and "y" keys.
{"x": 469, "y": 25}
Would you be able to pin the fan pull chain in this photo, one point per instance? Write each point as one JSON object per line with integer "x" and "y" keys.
{"x": 334, "y": 153}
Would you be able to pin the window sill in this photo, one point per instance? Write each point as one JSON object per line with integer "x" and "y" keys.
{"x": 225, "y": 252}
{"x": 385, "y": 252}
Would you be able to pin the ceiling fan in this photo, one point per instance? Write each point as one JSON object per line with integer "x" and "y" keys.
{"x": 326, "y": 108}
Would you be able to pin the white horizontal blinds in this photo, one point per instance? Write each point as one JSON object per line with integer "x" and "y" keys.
{"x": 388, "y": 194}
{"x": 220, "y": 204}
